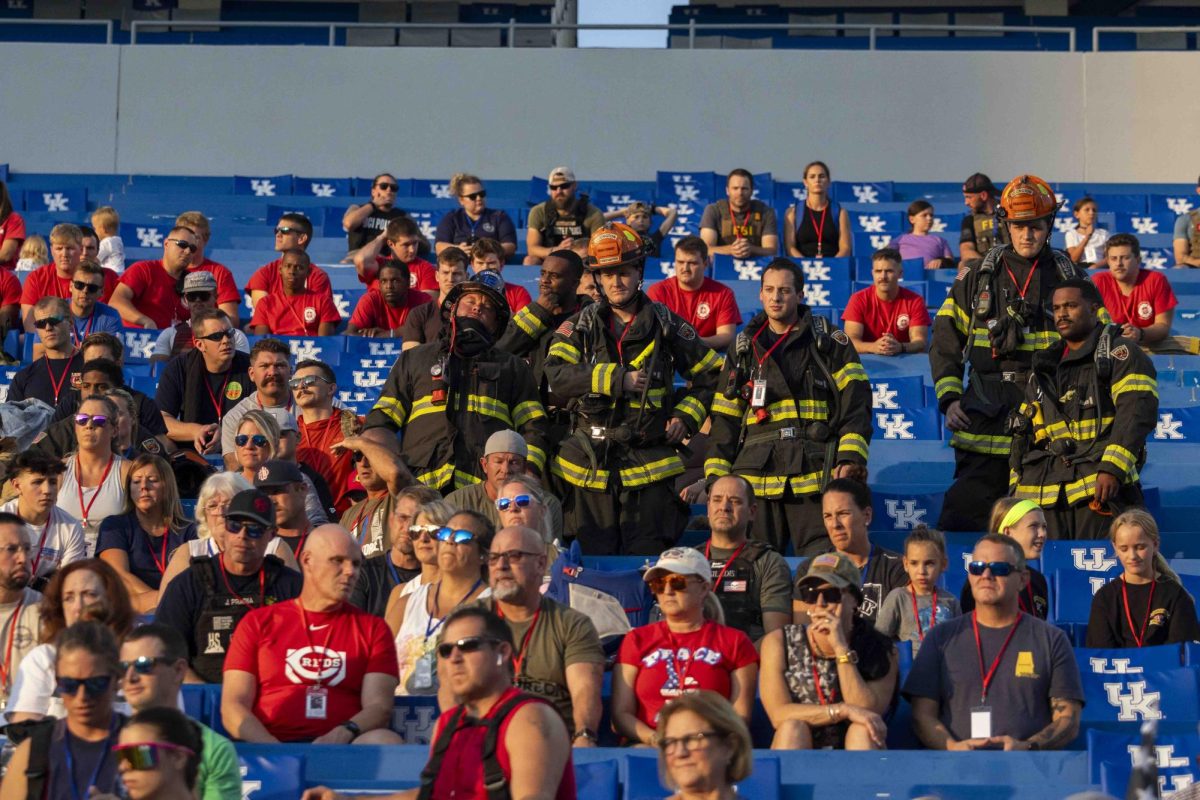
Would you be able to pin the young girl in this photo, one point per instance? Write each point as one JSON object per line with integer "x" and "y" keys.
{"x": 1146, "y": 605}
{"x": 1024, "y": 521}
{"x": 920, "y": 243}
{"x": 34, "y": 254}
{"x": 1085, "y": 244}
{"x": 908, "y": 612}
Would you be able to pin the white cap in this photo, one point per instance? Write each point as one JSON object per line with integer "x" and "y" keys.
{"x": 682, "y": 561}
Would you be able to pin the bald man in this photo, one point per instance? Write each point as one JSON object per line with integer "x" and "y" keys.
{"x": 315, "y": 669}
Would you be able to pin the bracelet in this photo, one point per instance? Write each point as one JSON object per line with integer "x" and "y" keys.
{"x": 584, "y": 733}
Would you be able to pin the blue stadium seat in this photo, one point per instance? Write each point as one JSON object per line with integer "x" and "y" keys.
{"x": 1166, "y": 694}
{"x": 597, "y": 780}
{"x": 1130, "y": 660}
{"x": 847, "y": 192}
{"x": 1110, "y": 758}
{"x": 895, "y": 392}
{"x": 1172, "y": 204}
{"x": 908, "y": 424}
{"x": 696, "y": 188}
{"x": 323, "y": 187}
{"x": 1073, "y": 592}
{"x": 890, "y": 222}
{"x": 263, "y": 185}
{"x": 64, "y": 199}
{"x": 139, "y": 344}
{"x": 346, "y": 300}
{"x": 902, "y": 508}
{"x": 270, "y": 775}
{"x": 1089, "y": 557}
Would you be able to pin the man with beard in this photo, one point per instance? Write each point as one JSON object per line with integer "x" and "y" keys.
{"x": 20, "y": 622}
{"x": 380, "y": 574}
{"x": 561, "y": 220}
{"x": 980, "y": 233}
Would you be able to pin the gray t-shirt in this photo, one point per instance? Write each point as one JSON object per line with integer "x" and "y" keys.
{"x": 896, "y": 620}
{"x": 1036, "y": 666}
{"x": 772, "y": 576}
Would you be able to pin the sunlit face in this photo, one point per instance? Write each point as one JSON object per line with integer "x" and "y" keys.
{"x": 816, "y": 180}
{"x": 1028, "y": 238}
{"x": 81, "y": 590}
{"x": 887, "y": 275}
{"x": 1074, "y": 315}
{"x": 921, "y": 222}
{"x": 79, "y": 664}
{"x": 924, "y": 563}
{"x": 450, "y": 275}
{"x": 739, "y": 189}
{"x": 1030, "y": 531}
{"x": 845, "y": 522}
{"x": 1122, "y": 264}
{"x": 1086, "y": 214}
{"x": 779, "y": 295}
{"x": 991, "y": 589}
{"x": 689, "y": 269}
{"x": 146, "y": 489}
{"x": 405, "y": 247}
{"x": 66, "y": 254}
{"x": 697, "y": 758}
{"x": 1135, "y": 550}
{"x": 620, "y": 284}
{"x": 479, "y": 306}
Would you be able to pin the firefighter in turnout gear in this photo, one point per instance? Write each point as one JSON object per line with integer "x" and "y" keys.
{"x": 447, "y": 397}
{"x": 792, "y": 412}
{"x": 614, "y": 363}
{"x": 1090, "y": 402}
{"x": 995, "y": 318}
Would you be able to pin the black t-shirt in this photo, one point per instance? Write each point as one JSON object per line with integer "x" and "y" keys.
{"x": 371, "y": 227}
{"x": 1034, "y": 600}
{"x": 423, "y": 324}
{"x": 376, "y": 581}
{"x": 883, "y": 572}
{"x": 1171, "y": 609}
{"x": 39, "y": 379}
{"x": 228, "y": 388}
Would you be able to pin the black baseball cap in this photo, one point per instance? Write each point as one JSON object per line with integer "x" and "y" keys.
{"x": 979, "y": 183}
{"x": 253, "y": 506}
{"x": 276, "y": 474}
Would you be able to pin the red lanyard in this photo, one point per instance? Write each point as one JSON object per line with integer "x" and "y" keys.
{"x": 33, "y": 571}
{"x": 991, "y": 673}
{"x": 84, "y": 509}
{"x": 778, "y": 341}
{"x": 1032, "y": 269}
{"x": 917, "y": 616}
{"x": 57, "y": 385}
{"x": 621, "y": 341}
{"x": 732, "y": 558}
{"x": 1032, "y": 609}
{"x": 303, "y": 536}
{"x": 217, "y": 403}
{"x": 12, "y": 629}
{"x": 817, "y": 685}
{"x": 162, "y": 565}
{"x": 75, "y": 335}
{"x": 1138, "y": 637}
{"x": 308, "y": 636}
{"x": 262, "y": 584}
{"x": 819, "y": 228}
{"x": 519, "y": 657}
{"x": 737, "y": 230}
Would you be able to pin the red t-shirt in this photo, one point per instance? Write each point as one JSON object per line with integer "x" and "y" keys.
{"x": 12, "y": 229}
{"x": 517, "y": 297}
{"x": 461, "y": 772}
{"x": 45, "y": 282}
{"x": 373, "y": 312}
{"x": 421, "y": 275}
{"x": 266, "y": 279}
{"x": 877, "y": 316}
{"x": 1151, "y": 296}
{"x": 707, "y": 308}
{"x": 10, "y": 288}
{"x": 299, "y": 315}
{"x": 315, "y": 440}
{"x": 288, "y": 649}
{"x": 154, "y": 291}
{"x": 703, "y": 659}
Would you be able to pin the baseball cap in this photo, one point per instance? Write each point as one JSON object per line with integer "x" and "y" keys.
{"x": 285, "y": 418}
{"x": 681, "y": 561}
{"x": 506, "y": 442}
{"x": 200, "y": 281}
{"x": 254, "y": 506}
{"x": 834, "y": 569}
{"x": 561, "y": 175}
{"x": 276, "y": 474}
{"x": 979, "y": 183}
{"x": 638, "y": 207}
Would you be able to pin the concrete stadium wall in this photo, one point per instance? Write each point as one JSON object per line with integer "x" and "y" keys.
{"x": 620, "y": 114}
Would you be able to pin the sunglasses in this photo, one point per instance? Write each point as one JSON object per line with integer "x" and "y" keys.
{"x": 146, "y": 755}
{"x": 520, "y": 501}
{"x": 182, "y": 245}
{"x": 454, "y": 536}
{"x": 482, "y": 193}
{"x": 91, "y": 420}
{"x": 198, "y": 297}
{"x": 307, "y": 382}
{"x": 424, "y": 531}
{"x": 257, "y": 440}
{"x": 284, "y": 230}
{"x": 46, "y": 323}
{"x": 218, "y": 336}
{"x": 512, "y": 556}
{"x": 388, "y": 187}
{"x": 561, "y": 187}
{"x": 358, "y": 456}
{"x": 94, "y": 686}
{"x": 1000, "y": 569}
{"x": 252, "y": 531}
{"x": 813, "y": 594}
{"x": 84, "y": 286}
{"x": 143, "y": 665}
{"x": 677, "y": 583}
{"x": 471, "y": 644}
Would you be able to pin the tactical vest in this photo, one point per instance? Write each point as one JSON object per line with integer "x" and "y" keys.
{"x": 183, "y": 338}
{"x": 1194, "y": 234}
{"x": 220, "y": 613}
{"x": 985, "y": 231}
{"x": 566, "y": 224}
{"x": 751, "y": 228}
{"x": 738, "y": 589}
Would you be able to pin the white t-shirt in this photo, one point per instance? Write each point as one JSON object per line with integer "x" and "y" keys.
{"x": 63, "y": 541}
{"x": 111, "y": 253}
{"x": 24, "y": 636}
{"x": 1094, "y": 252}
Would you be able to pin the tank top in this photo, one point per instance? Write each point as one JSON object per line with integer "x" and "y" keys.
{"x": 807, "y": 223}
{"x": 101, "y": 501}
{"x": 417, "y": 637}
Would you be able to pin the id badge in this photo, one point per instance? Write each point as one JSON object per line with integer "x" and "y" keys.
{"x": 758, "y": 393}
{"x": 316, "y": 702}
{"x": 981, "y": 722}
{"x": 421, "y": 679}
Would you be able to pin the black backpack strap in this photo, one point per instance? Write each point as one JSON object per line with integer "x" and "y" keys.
{"x": 37, "y": 771}
{"x": 440, "y": 746}
{"x": 495, "y": 783}
{"x": 206, "y": 573}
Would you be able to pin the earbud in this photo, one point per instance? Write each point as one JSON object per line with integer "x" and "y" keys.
{"x": 499, "y": 661}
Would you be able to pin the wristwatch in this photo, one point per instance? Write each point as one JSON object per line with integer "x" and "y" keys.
{"x": 584, "y": 733}
{"x": 849, "y": 657}
{"x": 352, "y": 726}
{"x": 1031, "y": 745}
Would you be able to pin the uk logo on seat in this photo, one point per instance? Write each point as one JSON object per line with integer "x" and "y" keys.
{"x": 685, "y": 188}
{"x": 56, "y": 201}
{"x": 368, "y": 379}
{"x": 1180, "y": 205}
{"x": 1092, "y": 559}
{"x": 880, "y": 241}
{"x": 1154, "y": 258}
{"x": 139, "y": 344}
{"x": 894, "y": 426}
{"x": 149, "y": 237}
{"x": 1112, "y": 666}
{"x": 815, "y": 294}
{"x": 815, "y": 270}
{"x": 263, "y": 187}
{"x": 871, "y": 223}
{"x": 1134, "y": 704}
{"x": 752, "y": 271}
{"x": 906, "y": 516}
{"x": 304, "y": 349}
{"x": 865, "y": 193}
{"x": 883, "y": 396}
{"x": 1168, "y": 427}
{"x": 1144, "y": 225}
{"x": 1065, "y": 224}
{"x": 440, "y": 191}
{"x": 323, "y": 189}
{"x": 939, "y": 225}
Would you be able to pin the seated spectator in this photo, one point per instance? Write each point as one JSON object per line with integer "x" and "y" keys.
{"x": 293, "y": 231}
{"x": 270, "y": 372}
{"x": 705, "y": 746}
{"x": 124, "y": 423}
{"x": 828, "y": 682}
{"x": 49, "y": 761}
{"x": 321, "y": 425}
{"x": 34, "y": 254}
{"x": 432, "y": 516}
{"x": 504, "y": 456}
{"x": 566, "y": 218}
{"x": 255, "y": 442}
{"x": 1147, "y": 605}
{"x": 111, "y": 251}
{"x": 197, "y": 388}
{"x": 979, "y": 232}
{"x": 229, "y": 297}
{"x": 148, "y": 295}
{"x": 739, "y": 225}
{"x": 54, "y": 279}
{"x": 415, "y": 618}
{"x": 199, "y": 294}
{"x": 1085, "y": 242}
{"x": 383, "y": 310}
{"x": 638, "y": 216}
{"x": 1140, "y": 300}
{"x": 486, "y": 254}
{"x": 708, "y": 304}
{"x": 753, "y": 583}
{"x": 1025, "y": 522}
{"x": 588, "y": 287}
{"x": 88, "y": 314}
{"x": 1030, "y": 696}
{"x": 932, "y": 249}
{"x": 886, "y": 319}
{"x": 401, "y": 240}
{"x": 473, "y": 220}
{"x": 93, "y": 487}
{"x": 140, "y": 542}
{"x": 280, "y": 686}
{"x": 383, "y": 573}
{"x": 295, "y": 310}
{"x": 363, "y": 223}
{"x": 909, "y": 612}
{"x": 12, "y": 231}
{"x": 424, "y": 323}
{"x": 284, "y": 483}
{"x": 823, "y": 227}
{"x": 648, "y": 671}
{"x": 524, "y": 502}
{"x": 10, "y": 310}
{"x": 382, "y": 474}
{"x": 208, "y": 600}
{"x": 846, "y": 506}
{"x": 159, "y": 754}
{"x": 89, "y": 244}
{"x": 20, "y": 621}
{"x": 153, "y": 666}
{"x": 559, "y": 657}
{"x": 86, "y": 590}
{"x": 54, "y": 536}
{"x": 1185, "y": 238}
{"x": 57, "y": 369}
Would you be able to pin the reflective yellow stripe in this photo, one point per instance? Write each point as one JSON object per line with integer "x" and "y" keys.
{"x": 566, "y": 351}
{"x": 1084, "y": 430}
{"x": 851, "y": 372}
{"x": 527, "y": 321}
{"x": 462, "y": 479}
{"x": 526, "y": 412}
{"x": 723, "y": 405}
{"x": 950, "y": 385}
{"x": 645, "y": 474}
{"x": 1045, "y": 496}
{"x": 808, "y": 483}
{"x": 980, "y": 443}
{"x": 951, "y": 311}
{"x": 579, "y": 476}
{"x": 710, "y": 361}
{"x": 1135, "y": 382}
{"x": 438, "y": 478}
{"x": 602, "y": 378}
{"x": 424, "y": 405}
{"x": 1034, "y": 340}
{"x": 654, "y": 399}
{"x": 852, "y": 443}
{"x": 769, "y": 487}
{"x": 537, "y": 456}
{"x": 1119, "y": 457}
{"x": 693, "y": 408}
{"x": 717, "y": 466}
{"x": 489, "y": 406}
{"x": 392, "y": 408}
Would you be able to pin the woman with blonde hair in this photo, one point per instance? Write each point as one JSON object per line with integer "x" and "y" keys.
{"x": 1024, "y": 521}
{"x": 473, "y": 220}
{"x": 704, "y": 747}
{"x": 1146, "y": 605}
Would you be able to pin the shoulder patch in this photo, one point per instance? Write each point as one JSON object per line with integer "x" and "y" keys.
{"x": 567, "y": 328}
{"x": 686, "y": 331}
{"x": 841, "y": 338}
{"x": 1121, "y": 352}
{"x": 962, "y": 273}
{"x": 151, "y": 446}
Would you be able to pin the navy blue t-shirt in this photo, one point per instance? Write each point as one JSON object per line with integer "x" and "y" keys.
{"x": 457, "y": 228}
{"x": 122, "y": 532}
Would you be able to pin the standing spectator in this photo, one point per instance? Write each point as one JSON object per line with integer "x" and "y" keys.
{"x": 34, "y": 254}
{"x": 565, "y": 218}
{"x": 383, "y": 573}
{"x": 111, "y": 250}
{"x": 158, "y": 755}
{"x": 1140, "y": 300}
{"x": 1146, "y": 605}
{"x": 57, "y": 369}
{"x": 229, "y": 297}
{"x": 886, "y": 319}
{"x": 823, "y": 227}
{"x": 54, "y": 280}
{"x": 382, "y": 311}
{"x": 363, "y": 223}
{"x": 1085, "y": 242}
{"x": 690, "y": 293}
{"x": 88, "y": 314}
{"x": 93, "y": 487}
{"x": 321, "y": 426}
{"x": 270, "y": 372}
{"x": 20, "y": 621}
{"x": 1030, "y": 696}
{"x": 295, "y": 310}
{"x": 12, "y": 230}
{"x": 638, "y": 216}
{"x": 689, "y": 650}
{"x": 281, "y": 685}
{"x": 199, "y": 295}
{"x": 1025, "y": 522}
{"x": 705, "y": 747}
{"x": 382, "y": 474}
{"x": 504, "y": 456}
{"x": 487, "y": 254}
{"x": 933, "y": 250}
{"x": 293, "y": 231}
{"x": 54, "y": 536}
{"x": 149, "y": 294}
{"x": 908, "y": 612}
{"x": 1185, "y": 238}
{"x": 980, "y": 233}
{"x": 473, "y": 220}
{"x": 828, "y": 682}
{"x": 739, "y": 225}
{"x": 401, "y": 240}
{"x": 424, "y": 323}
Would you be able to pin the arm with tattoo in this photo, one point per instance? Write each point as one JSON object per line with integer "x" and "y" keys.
{"x": 1063, "y": 727}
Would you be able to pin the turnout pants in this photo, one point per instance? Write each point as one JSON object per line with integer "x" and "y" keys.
{"x": 792, "y": 520}
{"x": 1080, "y": 522}
{"x": 979, "y": 481}
{"x": 643, "y": 521}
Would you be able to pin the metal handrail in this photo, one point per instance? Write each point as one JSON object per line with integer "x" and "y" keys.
{"x": 1131, "y": 29}
{"x": 107, "y": 23}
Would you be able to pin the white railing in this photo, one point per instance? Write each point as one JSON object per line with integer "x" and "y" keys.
{"x": 107, "y": 23}
{"x": 1127, "y": 29}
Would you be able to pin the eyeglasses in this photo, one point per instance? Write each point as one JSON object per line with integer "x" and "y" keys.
{"x": 91, "y": 420}
{"x": 358, "y": 457}
{"x": 521, "y": 501}
{"x": 454, "y": 536}
{"x": 688, "y": 743}
{"x": 217, "y": 336}
{"x": 284, "y": 230}
{"x": 13, "y": 549}
{"x": 146, "y": 755}
{"x": 388, "y": 187}
{"x": 1000, "y": 569}
{"x": 198, "y": 297}
{"x": 47, "y": 322}
{"x": 512, "y": 556}
{"x": 257, "y": 440}
{"x": 424, "y": 531}
{"x": 252, "y": 531}
{"x": 812, "y": 594}
{"x": 143, "y": 665}
{"x": 470, "y": 644}
{"x": 307, "y": 382}
{"x": 482, "y": 193}
{"x": 561, "y": 187}
{"x": 182, "y": 245}
{"x": 93, "y": 686}
{"x": 84, "y": 286}
{"x": 678, "y": 583}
